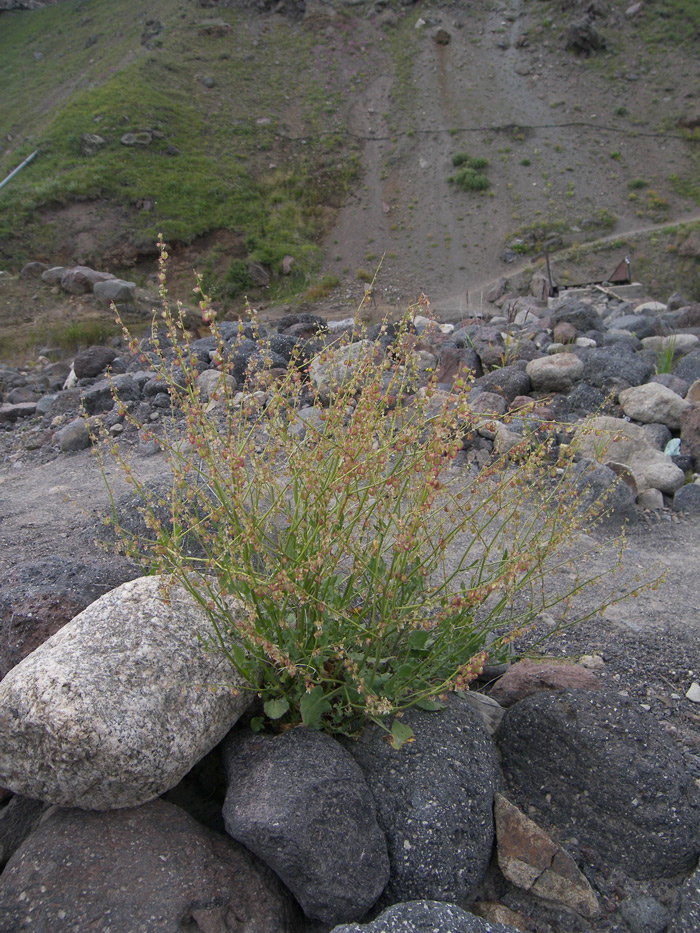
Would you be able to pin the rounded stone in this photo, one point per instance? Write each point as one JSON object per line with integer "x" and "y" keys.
{"x": 119, "y": 704}
{"x": 599, "y": 768}
{"x": 556, "y": 373}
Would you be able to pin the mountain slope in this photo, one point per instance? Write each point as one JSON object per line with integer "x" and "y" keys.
{"x": 329, "y": 135}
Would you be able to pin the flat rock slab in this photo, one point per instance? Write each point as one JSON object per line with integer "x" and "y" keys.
{"x": 531, "y": 859}
{"x": 152, "y": 868}
{"x": 599, "y": 768}
{"x": 528, "y": 676}
{"x": 119, "y": 704}
{"x": 300, "y": 803}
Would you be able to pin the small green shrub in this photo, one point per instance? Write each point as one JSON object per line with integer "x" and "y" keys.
{"x": 322, "y": 289}
{"x": 666, "y": 355}
{"x": 80, "y": 334}
{"x": 636, "y": 183}
{"x": 364, "y": 275}
{"x": 347, "y": 569}
{"x": 236, "y": 279}
{"x": 469, "y": 180}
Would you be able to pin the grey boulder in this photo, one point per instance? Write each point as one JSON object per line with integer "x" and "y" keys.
{"x": 425, "y": 917}
{"x": 136, "y": 870}
{"x": 115, "y": 290}
{"x": 299, "y": 802}
{"x": 688, "y": 918}
{"x": 596, "y": 766}
{"x": 435, "y": 801}
{"x": 119, "y": 704}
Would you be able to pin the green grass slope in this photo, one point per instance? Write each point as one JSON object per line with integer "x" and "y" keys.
{"x": 244, "y": 130}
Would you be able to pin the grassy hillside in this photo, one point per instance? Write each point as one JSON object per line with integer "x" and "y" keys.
{"x": 243, "y": 130}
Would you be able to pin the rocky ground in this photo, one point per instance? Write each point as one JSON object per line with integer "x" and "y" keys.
{"x": 644, "y": 651}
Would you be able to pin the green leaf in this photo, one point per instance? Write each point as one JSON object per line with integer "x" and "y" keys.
{"x": 405, "y": 672}
{"x": 313, "y": 705}
{"x": 276, "y": 709}
{"x": 417, "y": 639}
{"x": 257, "y": 723}
{"x": 430, "y": 705}
{"x": 400, "y": 734}
{"x": 239, "y": 657}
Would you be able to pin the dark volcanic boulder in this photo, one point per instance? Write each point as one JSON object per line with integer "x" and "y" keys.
{"x": 299, "y": 802}
{"x": 508, "y": 381}
{"x": 425, "y": 917}
{"x": 435, "y": 801}
{"x": 600, "y": 768}
{"x": 688, "y": 919}
{"x": 100, "y": 396}
{"x": 146, "y": 868}
{"x": 92, "y": 361}
{"x": 688, "y": 367}
{"x": 582, "y": 316}
{"x": 609, "y": 367}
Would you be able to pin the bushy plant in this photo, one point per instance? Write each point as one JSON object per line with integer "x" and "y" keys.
{"x": 322, "y": 289}
{"x": 349, "y": 569}
{"x": 469, "y": 180}
{"x": 470, "y": 176}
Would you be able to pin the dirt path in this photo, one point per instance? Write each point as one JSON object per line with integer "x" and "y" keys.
{"x": 477, "y": 291}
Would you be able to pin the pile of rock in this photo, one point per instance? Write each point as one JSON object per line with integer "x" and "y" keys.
{"x": 574, "y": 360}
{"x": 124, "y": 706}
{"x": 127, "y": 750}
{"x": 82, "y": 280}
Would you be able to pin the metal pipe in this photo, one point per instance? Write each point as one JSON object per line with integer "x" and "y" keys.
{"x": 18, "y": 169}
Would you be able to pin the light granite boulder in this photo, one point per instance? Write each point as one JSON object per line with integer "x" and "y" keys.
{"x": 653, "y": 403}
{"x": 614, "y": 440}
{"x": 116, "y": 707}
{"x": 557, "y": 373}
{"x": 332, "y": 369}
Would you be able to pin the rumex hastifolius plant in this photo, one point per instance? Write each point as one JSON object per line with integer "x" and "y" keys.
{"x": 348, "y": 567}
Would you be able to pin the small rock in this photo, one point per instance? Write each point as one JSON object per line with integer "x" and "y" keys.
{"x": 644, "y": 915}
{"x": 693, "y": 693}
{"x": 75, "y": 436}
{"x": 687, "y": 499}
{"x": 142, "y": 138}
{"x": 526, "y": 677}
{"x": 557, "y": 373}
{"x": 90, "y": 143}
{"x": 653, "y": 403}
{"x": 530, "y": 859}
{"x": 115, "y": 291}
{"x": 92, "y": 361}
{"x": 592, "y": 662}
